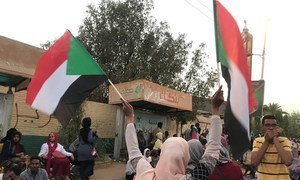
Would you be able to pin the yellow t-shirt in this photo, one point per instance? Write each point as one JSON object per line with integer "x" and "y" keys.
{"x": 271, "y": 166}
{"x": 157, "y": 144}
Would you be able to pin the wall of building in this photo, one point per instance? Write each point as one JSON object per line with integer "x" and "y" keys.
{"x": 203, "y": 120}
{"x": 103, "y": 120}
{"x": 29, "y": 123}
{"x": 35, "y": 129}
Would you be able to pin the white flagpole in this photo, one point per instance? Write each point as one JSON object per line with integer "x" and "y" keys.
{"x": 264, "y": 52}
{"x": 219, "y": 74}
{"x": 216, "y": 41}
{"x": 115, "y": 89}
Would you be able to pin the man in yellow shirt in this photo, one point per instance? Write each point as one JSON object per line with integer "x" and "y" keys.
{"x": 153, "y": 134}
{"x": 271, "y": 153}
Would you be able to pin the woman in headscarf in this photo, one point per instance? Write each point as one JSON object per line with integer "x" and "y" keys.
{"x": 147, "y": 155}
{"x": 13, "y": 150}
{"x": 8, "y": 136}
{"x": 196, "y": 150}
{"x": 194, "y": 133}
{"x": 174, "y": 155}
{"x": 226, "y": 168}
{"x": 56, "y": 157}
{"x": 173, "y": 160}
{"x": 85, "y": 156}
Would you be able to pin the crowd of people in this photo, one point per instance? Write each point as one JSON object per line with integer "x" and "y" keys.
{"x": 197, "y": 154}
{"x": 181, "y": 158}
{"x": 53, "y": 161}
{"x": 205, "y": 154}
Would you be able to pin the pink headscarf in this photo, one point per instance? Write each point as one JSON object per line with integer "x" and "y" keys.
{"x": 174, "y": 158}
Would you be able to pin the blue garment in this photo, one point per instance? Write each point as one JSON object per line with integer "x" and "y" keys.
{"x": 86, "y": 169}
{"x": 85, "y": 159}
{"x": 8, "y": 150}
{"x": 84, "y": 149}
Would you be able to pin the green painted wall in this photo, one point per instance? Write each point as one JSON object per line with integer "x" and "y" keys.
{"x": 33, "y": 144}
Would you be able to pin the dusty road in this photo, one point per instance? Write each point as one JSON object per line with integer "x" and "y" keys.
{"x": 114, "y": 171}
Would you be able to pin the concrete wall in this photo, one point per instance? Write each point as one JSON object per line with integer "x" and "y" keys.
{"x": 204, "y": 121}
{"x": 18, "y": 58}
{"x": 103, "y": 116}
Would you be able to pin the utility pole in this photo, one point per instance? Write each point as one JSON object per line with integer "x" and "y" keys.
{"x": 264, "y": 53}
{"x": 248, "y": 43}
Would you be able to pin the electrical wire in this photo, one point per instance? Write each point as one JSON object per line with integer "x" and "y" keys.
{"x": 204, "y": 6}
{"x": 198, "y": 10}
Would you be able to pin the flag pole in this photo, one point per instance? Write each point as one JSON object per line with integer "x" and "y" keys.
{"x": 116, "y": 89}
{"x": 216, "y": 40}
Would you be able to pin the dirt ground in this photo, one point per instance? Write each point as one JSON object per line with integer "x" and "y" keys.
{"x": 114, "y": 171}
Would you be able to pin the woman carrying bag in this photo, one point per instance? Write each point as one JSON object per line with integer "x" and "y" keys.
{"x": 85, "y": 151}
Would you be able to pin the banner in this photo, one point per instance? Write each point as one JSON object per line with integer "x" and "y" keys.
{"x": 258, "y": 88}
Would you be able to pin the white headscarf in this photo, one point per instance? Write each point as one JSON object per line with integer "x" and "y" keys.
{"x": 149, "y": 159}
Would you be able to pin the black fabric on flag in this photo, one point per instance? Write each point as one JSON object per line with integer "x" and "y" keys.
{"x": 75, "y": 95}
{"x": 237, "y": 134}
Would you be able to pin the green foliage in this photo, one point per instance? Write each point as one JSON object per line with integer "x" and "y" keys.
{"x": 105, "y": 145}
{"x": 294, "y": 124}
{"x": 129, "y": 44}
{"x": 47, "y": 44}
{"x": 256, "y": 126}
{"x": 67, "y": 135}
{"x": 198, "y": 81}
{"x": 200, "y": 78}
{"x": 290, "y": 123}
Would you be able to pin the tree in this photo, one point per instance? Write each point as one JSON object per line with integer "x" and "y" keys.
{"x": 47, "y": 44}
{"x": 198, "y": 81}
{"x": 129, "y": 44}
{"x": 294, "y": 124}
{"x": 70, "y": 133}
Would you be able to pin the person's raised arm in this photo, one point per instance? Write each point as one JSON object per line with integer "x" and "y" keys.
{"x": 211, "y": 154}
{"x": 128, "y": 111}
{"x": 130, "y": 132}
{"x": 216, "y": 101}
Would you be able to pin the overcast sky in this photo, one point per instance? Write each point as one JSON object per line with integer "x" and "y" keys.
{"x": 36, "y": 21}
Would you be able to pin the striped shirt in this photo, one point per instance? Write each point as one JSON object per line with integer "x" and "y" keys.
{"x": 271, "y": 165}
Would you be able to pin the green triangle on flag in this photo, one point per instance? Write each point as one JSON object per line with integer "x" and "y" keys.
{"x": 80, "y": 62}
{"x": 222, "y": 56}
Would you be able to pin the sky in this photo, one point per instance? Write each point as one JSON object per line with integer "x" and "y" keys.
{"x": 37, "y": 21}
